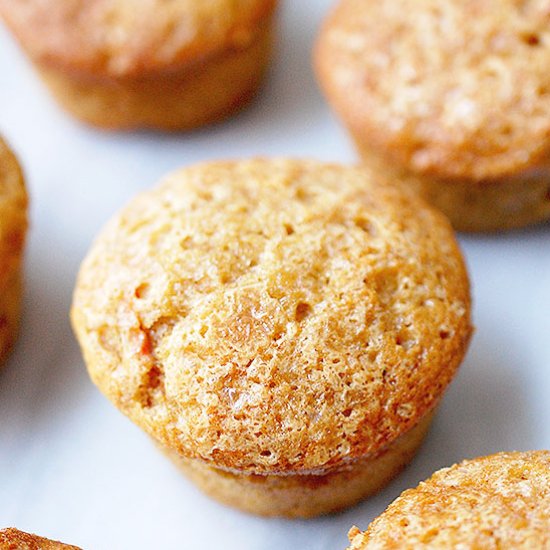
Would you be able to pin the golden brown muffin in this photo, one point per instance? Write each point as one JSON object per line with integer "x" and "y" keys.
{"x": 452, "y": 96}
{"x": 13, "y": 228}
{"x": 498, "y": 501}
{"x": 12, "y": 539}
{"x": 283, "y": 329}
{"x": 168, "y": 65}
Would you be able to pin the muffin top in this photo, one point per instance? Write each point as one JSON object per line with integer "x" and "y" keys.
{"x": 121, "y": 39}
{"x": 453, "y": 88}
{"x": 13, "y": 213}
{"x": 273, "y": 315}
{"x": 13, "y": 539}
{"x": 498, "y": 501}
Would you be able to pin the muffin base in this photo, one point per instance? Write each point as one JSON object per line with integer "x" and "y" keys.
{"x": 485, "y": 206}
{"x": 205, "y": 93}
{"x": 300, "y": 495}
{"x": 505, "y": 204}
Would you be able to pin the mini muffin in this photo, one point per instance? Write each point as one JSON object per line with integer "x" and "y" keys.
{"x": 452, "y": 96}
{"x": 13, "y": 227}
{"x": 167, "y": 65}
{"x": 498, "y": 501}
{"x": 12, "y": 539}
{"x": 282, "y": 329}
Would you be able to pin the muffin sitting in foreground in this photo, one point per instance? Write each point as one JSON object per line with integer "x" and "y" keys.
{"x": 13, "y": 228}
{"x": 167, "y": 65}
{"x": 12, "y": 539}
{"x": 498, "y": 501}
{"x": 283, "y": 329}
{"x": 453, "y": 96}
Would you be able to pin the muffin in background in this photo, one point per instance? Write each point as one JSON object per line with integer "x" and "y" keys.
{"x": 451, "y": 96}
{"x": 283, "y": 329}
{"x": 13, "y": 539}
{"x": 163, "y": 65}
{"x": 497, "y": 501}
{"x": 13, "y": 229}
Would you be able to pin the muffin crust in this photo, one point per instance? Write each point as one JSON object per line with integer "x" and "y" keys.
{"x": 274, "y": 316}
{"x": 13, "y": 539}
{"x": 433, "y": 91}
{"x": 167, "y": 65}
{"x": 282, "y": 329}
{"x": 499, "y": 501}
{"x": 109, "y": 38}
{"x": 13, "y": 227}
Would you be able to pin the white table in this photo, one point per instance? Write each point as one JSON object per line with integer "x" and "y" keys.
{"x": 73, "y": 468}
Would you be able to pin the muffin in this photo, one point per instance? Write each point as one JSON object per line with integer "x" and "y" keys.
{"x": 498, "y": 501}
{"x": 12, "y": 539}
{"x": 167, "y": 65}
{"x": 453, "y": 97}
{"x": 13, "y": 228}
{"x": 282, "y": 329}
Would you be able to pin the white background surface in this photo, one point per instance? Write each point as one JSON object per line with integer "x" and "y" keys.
{"x": 73, "y": 468}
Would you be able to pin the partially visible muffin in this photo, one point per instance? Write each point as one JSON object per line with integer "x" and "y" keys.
{"x": 13, "y": 228}
{"x": 497, "y": 501}
{"x": 283, "y": 329}
{"x": 13, "y": 539}
{"x": 167, "y": 65}
{"x": 453, "y": 96}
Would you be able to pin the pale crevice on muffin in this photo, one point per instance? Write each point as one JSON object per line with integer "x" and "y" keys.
{"x": 497, "y": 501}
{"x": 166, "y": 65}
{"x": 13, "y": 539}
{"x": 13, "y": 228}
{"x": 453, "y": 97}
{"x": 282, "y": 328}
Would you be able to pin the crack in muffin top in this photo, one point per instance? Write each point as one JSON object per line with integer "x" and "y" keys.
{"x": 274, "y": 315}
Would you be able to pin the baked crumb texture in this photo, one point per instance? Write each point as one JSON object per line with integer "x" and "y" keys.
{"x": 275, "y": 318}
{"x": 13, "y": 539}
{"x": 169, "y": 65}
{"x": 453, "y": 97}
{"x": 13, "y": 228}
{"x": 494, "y": 502}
